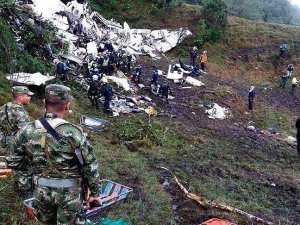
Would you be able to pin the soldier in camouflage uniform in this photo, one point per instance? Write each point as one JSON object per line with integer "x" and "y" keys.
{"x": 12, "y": 117}
{"x": 61, "y": 158}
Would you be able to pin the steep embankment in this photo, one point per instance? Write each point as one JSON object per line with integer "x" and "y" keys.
{"x": 218, "y": 160}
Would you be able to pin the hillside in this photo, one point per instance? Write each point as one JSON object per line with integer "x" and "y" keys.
{"x": 219, "y": 160}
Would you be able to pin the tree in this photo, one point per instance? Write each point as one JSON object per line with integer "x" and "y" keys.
{"x": 213, "y": 22}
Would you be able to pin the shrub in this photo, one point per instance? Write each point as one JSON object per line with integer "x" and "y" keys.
{"x": 213, "y": 22}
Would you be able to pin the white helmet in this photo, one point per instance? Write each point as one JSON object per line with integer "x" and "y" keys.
{"x": 95, "y": 77}
{"x": 56, "y": 61}
{"x": 104, "y": 80}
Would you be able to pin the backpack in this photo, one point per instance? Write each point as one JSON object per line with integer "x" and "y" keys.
{"x": 5, "y": 123}
{"x": 60, "y": 68}
{"x": 6, "y": 126}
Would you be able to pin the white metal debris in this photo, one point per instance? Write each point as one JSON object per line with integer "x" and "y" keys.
{"x": 37, "y": 79}
{"x": 175, "y": 75}
{"x": 193, "y": 81}
{"x": 95, "y": 26}
{"x": 123, "y": 82}
{"x": 217, "y": 112}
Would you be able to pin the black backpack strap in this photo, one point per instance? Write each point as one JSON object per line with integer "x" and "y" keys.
{"x": 49, "y": 128}
{"x": 57, "y": 137}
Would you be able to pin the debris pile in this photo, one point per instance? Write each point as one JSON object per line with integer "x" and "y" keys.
{"x": 75, "y": 22}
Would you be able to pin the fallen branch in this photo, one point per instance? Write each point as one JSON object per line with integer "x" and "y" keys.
{"x": 207, "y": 203}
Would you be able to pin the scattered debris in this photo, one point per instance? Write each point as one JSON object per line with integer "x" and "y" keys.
{"x": 96, "y": 124}
{"x": 37, "y": 79}
{"x": 193, "y": 81}
{"x": 100, "y": 30}
{"x": 217, "y": 112}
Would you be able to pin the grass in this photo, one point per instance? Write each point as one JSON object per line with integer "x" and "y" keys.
{"x": 238, "y": 169}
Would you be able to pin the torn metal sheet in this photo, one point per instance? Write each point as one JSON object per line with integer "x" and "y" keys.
{"x": 96, "y": 27}
{"x": 96, "y": 124}
{"x": 91, "y": 48}
{"x": 193, "y": 81}
{"x": 175, "y": 75}
{"x": 122, "y": 82}
{"x": 73, "y": 58}
{"x": 217, "y": 112}
{"x": 37, "y": 79}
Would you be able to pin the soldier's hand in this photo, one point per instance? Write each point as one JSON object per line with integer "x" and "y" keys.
{"x": 97, "y": 200}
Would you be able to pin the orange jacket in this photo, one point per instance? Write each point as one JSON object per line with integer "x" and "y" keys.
{"x": 203, "y": 58}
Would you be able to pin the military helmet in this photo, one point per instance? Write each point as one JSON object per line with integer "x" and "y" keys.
{"x": 18, "y": 90}
{"x": 56, "y": 93}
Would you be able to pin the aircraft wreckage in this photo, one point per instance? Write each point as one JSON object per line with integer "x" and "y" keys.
{"x": 102, "y": 31}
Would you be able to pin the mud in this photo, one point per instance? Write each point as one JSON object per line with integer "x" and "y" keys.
{"x": 186, "y": 109}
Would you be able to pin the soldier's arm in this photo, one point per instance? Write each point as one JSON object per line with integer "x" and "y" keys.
{"x": 20, "y": 116}
{"x": 90, "y": 168}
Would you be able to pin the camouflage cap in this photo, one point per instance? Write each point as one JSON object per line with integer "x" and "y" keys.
{"x": 21, "y": 90}
{"x": 56, "y": 93}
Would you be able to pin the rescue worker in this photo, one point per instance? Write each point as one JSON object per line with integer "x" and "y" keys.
{"x": 282, "y": 47}
{"x": 284, "y": 79}
{"x": 128, "y": 63}
{"x": 61, "y": 71}
{"x": 135, "y": 74}
{"x": 139, "y": 73}
{"x": 106, "y": 91}
{"x": 154, "y": 76}
{"x": 251, "y": 97}
{"x": 193, "y": 56}
{"x": 203, "y": 60}
{"x": 298, "y": 135}
{"x": 93, "y": 91}
{"x": 13, "y": 118}
{"x": 61, "y": 158}
{"x": 290, "y": 70}
{"x": 104, "y": 65}
{"x": 165, "y": 90}
{"x": 196, "y": 72}
{"x": 294, "y": 85}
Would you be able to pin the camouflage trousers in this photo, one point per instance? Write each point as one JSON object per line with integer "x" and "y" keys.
{"x": 23, "y": 182}
{"x": 59, "y": 206}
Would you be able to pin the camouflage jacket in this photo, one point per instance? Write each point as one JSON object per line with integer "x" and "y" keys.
{"x": 12, "y": 117}
{"x": 29, "y": 142}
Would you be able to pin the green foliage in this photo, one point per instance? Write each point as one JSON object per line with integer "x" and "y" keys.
{"x": 214, "y": 13}
{"x": 12, "y": 59}
{"x": 30, "y": 64}
{"x": 213, "y": 24}
{"x": 7, "y": 3}
{"x": 272, "y": 11}
{"x": 8, "y": 47}
{"x": 142, "y": 132}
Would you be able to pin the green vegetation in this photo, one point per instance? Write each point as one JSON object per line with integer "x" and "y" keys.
{"x": 218, "y": 161}
{"x": 213, "y": 24}
{"x": 272, "y": 11}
